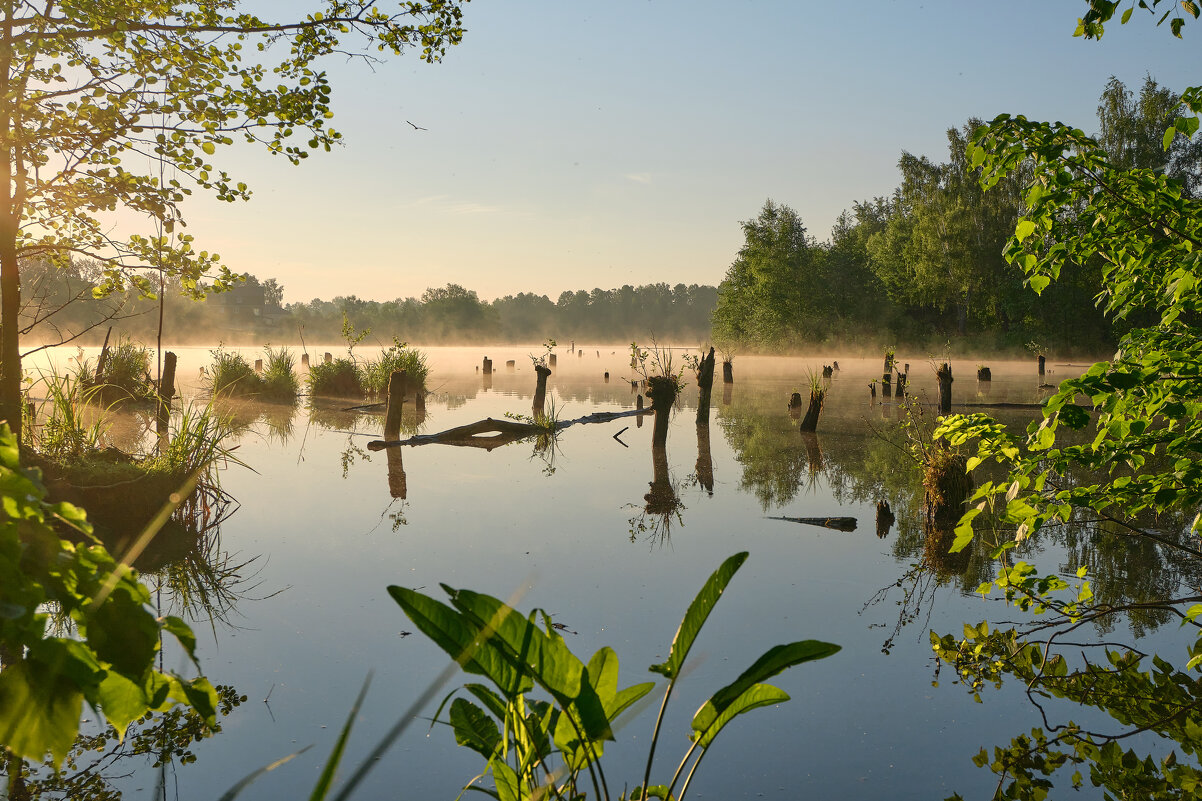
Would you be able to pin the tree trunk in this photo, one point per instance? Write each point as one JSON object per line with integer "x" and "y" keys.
{"x": 944, "y": 376}
{"x": 166, "y": 393}
{"x": 540, "y": 389}
{"x": 10, "y": 311}
{"x": 662, "y": 392}
{"x": 397, "y": 385}
{"x": 705, "y": 385}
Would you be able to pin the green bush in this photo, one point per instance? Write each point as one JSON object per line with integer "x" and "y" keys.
{"x": 412, "y": 361}
{"x": 125, "y": 373}
{"x": 279, "y": 380}
{"x": 339, "y": 377}
{"x": 231, "y": 374}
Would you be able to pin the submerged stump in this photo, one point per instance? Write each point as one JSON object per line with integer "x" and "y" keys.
{"x": 809, "y": 423}
{"x": 663, "y": 391}
{"x": 397, "y": 386}
{"x": 884, "y": 519}
{"x": 728, "y": 373}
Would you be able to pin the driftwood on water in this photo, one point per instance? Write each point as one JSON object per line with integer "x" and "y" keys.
{"x": 491, "y": 433}
{"x": 837, "y": 523}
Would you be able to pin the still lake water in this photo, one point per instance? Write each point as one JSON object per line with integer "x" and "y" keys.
{"x": 310, "y": 617}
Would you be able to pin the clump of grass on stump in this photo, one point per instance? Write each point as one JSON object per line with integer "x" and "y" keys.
{"x": 339, "y": 377}
{"x": 279, "y": 380}
{"x": 231, "y": 374}
{"x": 125, "y": 373}
{"x": 400, "y": 356}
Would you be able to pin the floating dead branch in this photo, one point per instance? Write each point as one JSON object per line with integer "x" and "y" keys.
{"x": 837, "y": 523}
{"x": 491, "y": 433}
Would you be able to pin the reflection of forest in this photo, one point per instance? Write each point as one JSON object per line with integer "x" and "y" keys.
{"x": 863, "y": 461}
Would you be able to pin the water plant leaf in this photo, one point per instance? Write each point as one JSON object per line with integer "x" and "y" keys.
{"x": 249, "y": 778}
{"x": 696, "y": 615}
{"x": 474, "y": 728}
{"x": 39, "y": 712}
{"x": 773, "y": 661}
{"x": 331, "y": 767}
{"x": 506, "y": 780}
{"x": 709, "y": 721}
{"x": 494, "y": 702}
{"x": 461, "y": 638}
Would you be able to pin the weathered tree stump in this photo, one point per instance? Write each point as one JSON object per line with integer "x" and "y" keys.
{"x": 728, "y": 373}
{"x": 166, "y": 391}
{"x": 828, "y": 371}
{"x": 795, "y": 401}
{"x": 328, "y": 358}
{"x": 663, "y": 391}
{"x": 809, "y": 423}
{"x": 540, "y": 389}
{"x": 258, "y": 365}
{"x": 887, "y": 384}
{"x": 944, "y": 376}
{"x": 487, "y": 366}
{"x": 607, "y": 376}
{"x": 902, "y": 380}
{"x": 705, "y": 385}
{"x": 511, "y": 365}
{"x": 104, "y": 354}
{"x": 1041, "y": 366}
{"x": 397, "y": 386}
{"x": 304, "y": 360}
{"x": 984, "y": 374}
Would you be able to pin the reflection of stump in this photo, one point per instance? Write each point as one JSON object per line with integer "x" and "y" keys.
{"x": 511, "y": 366}
{"x": 638, "y": 404}
{"x": 947, "y": 485}
{"x": 662, "y": 391}
{"x": 705, "y": 384}
{"x": 728, "y": 373}
{"x": 397, "y": 386}
{"x": 813, "y": 452}
{"x": 795, "y": 406}
{"x": 726, "y": 394}
{"x": 551, "y": 360}
{"x": 396, "y": 474}
{"x": 809, "y": 423}
{"x": 661, "y": 499}
{"x": 540, "y": 389}
{"x": 884, "y": 519}
{"x": 705, "y": 462}
{"x": 944, "y": 376}
{"x": 419, "y": 401}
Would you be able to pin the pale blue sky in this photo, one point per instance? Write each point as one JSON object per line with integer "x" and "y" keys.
{"x": 572, "y": 145}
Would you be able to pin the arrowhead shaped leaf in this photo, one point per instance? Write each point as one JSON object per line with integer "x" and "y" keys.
{"x": 708, "y": 721}
{"x": 697, "y": 614}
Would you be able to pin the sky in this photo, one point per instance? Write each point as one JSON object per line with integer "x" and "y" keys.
{"x": 570, "y": 145}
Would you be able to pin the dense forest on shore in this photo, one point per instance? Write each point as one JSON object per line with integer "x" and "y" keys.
{"x": 923, "y": 267}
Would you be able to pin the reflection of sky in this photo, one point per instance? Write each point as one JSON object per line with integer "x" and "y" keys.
{"x": 860, "y": 725}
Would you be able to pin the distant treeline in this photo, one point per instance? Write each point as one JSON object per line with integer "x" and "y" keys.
{"x": 922, "y": 267}
{"x": 60, "y": 304}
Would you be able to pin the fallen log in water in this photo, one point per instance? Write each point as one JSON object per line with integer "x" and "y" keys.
{"x": 491, "y": 433}
{"x": 837, "y": 523}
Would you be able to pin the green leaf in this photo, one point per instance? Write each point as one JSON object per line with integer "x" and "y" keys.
{"x": 121, "y": 700}
{"x": 1024, "y": 229}
{"x": 474, "y": 729}
{"x": 697, "y": 613}
{"x": 461, "y": 639}
{"x": 39, "y": 713}
{"x": 208, "y": 148}
{"x": 327, "y": 773}
{"x": 774, "y": 660}
{"x": 709, "y": 722}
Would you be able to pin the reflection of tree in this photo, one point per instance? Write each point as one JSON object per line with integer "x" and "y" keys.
{"x": 766, "y": 444}
{"x": 95, "y": 761}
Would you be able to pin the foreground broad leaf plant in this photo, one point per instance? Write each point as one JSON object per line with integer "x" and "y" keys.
{"x": 45, "y": 677}
{"x": 551, "y": 748}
